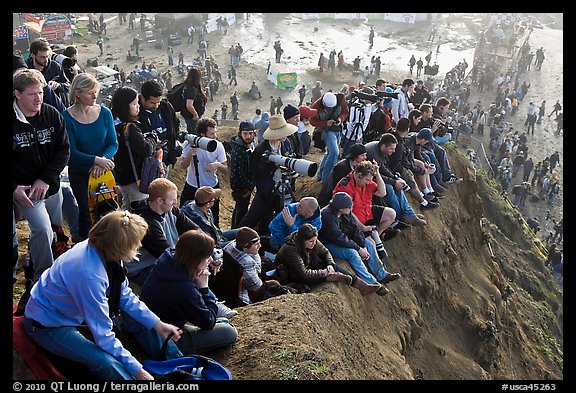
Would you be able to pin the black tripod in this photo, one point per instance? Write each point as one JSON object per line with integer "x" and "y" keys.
{"x": 284, "y": 185}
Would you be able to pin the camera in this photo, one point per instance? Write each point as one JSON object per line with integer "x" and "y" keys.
{"x": 365, "y": 96}
{"x": 385, "y": 94}
{"x": 217, "y": 256}
{"x": 201, "y": 142}
{"x": 298, "y": 165}
{"x": 64, "y": 61}
{"x": 443, "y": 128}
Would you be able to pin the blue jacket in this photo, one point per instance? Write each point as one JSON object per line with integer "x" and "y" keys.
{"x": 172, "y": 295}
{"x": 279, "y": 230}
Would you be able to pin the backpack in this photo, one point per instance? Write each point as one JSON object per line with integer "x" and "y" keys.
{"x": 176, "y": 97}
{"x": 152, "y": 168}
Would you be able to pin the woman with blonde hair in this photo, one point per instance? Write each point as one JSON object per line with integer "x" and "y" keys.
{"x": 177, "y": 290}
{"x": 93, "y": 141}
{"x": 86, "y": 288}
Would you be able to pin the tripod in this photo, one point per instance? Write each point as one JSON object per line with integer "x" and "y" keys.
{"x": 357, "y": 119}
{"x": 284, "y": 185}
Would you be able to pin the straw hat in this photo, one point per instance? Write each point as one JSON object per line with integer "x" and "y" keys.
{"x": 278, "y": 128}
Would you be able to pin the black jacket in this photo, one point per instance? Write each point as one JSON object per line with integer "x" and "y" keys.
{"x": 240, "y": 165}
{"x": 40, "y": 151}
{"x": 155, "y": 241}
{"x": 341, "y": 231}
{"x": 403, "y": 157}
{"x": 172, "y": 128}
{"x": 141, "y": 148}
{"x": 341, "y": 169}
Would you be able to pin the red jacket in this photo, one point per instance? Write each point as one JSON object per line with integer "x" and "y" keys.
{"x": 342, "y": 111}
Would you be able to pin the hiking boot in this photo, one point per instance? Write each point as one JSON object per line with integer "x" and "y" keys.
{"x": 382, "y": 291}
{"x": 389, "y": 233}
{"x": 390, "y": 277}
{"x": 339, "y": 277}
{"x": 397, "y": 224}
{"x": 415, "y": 220}
{"x": 429, "y": 206}
{"x": 439, "y": 188}
{"x": 453, "y": 179}
{"x": 225, "y": 311}
{"x": 364, "y": 287}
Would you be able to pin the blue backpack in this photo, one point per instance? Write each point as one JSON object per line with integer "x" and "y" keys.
{"x": 186, "y": 368}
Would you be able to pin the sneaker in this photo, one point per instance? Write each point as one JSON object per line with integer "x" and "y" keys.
{"x": 390, "y": 277}
{"x": 431, "y": 198}
{"x": 439, "y": 188}
{"x": 389, "y": 233}
{"x": 443, "y": 184}
{"x": 438, "y": 195}
{"x": 420, "y": 216}
{"x": 225, "y": 311}
{"x": 453, "y": 179}
{"x": 429, "y": 206}
{"x": 415, "y": 220}
{"x": 382, "y": 291}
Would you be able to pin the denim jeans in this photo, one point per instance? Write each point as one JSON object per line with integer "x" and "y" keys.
{"x": 70, "y": 211}
{"x": 201, "y": 341}
{"x": 437, "y": 175}
{"x": 41, "y": 217}
{"x": 443, "y": 139}
{"x": 79, "y": 184}
{"x": 396, "y": 199}
{"x": 69, "y": 343}
{"x": 330, "y": 157}
{"x": 376, "y": 272}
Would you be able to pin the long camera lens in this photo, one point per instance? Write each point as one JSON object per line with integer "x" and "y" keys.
{"x": 299, "y": 165}
{"x": 201, "y": 142}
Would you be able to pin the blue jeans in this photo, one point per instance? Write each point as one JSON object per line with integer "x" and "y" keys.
{"x": 437, "y": 175}
{"x": 443, "y": 139}
{"x": 330, "y": 158}
{"x": 396, "y": 199}
{"x": 353, "y": 258}
{"x": 70, "y": 211}
{"x": 69, "y": 343}
{"x": 41, "y": 217}
{"x": 201, "y": 341}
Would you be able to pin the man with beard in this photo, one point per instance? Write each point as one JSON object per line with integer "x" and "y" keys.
{"x": 241, "y": 149}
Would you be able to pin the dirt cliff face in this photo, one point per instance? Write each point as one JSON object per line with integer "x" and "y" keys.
{"x": 457, "y": 312}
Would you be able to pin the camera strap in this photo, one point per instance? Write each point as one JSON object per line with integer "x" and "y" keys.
{"x": 127, "y": 142}
{"x": 195, "y": 161}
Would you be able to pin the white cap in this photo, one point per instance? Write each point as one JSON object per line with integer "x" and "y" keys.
{"x": 329, "y": 100}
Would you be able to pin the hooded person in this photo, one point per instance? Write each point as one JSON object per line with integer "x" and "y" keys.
{"x": 332, "y": 113}
{"x": 267, "y": 175}
{"x": 261, "y": 126}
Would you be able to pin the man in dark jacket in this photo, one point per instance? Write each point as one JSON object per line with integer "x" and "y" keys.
{"x": 241, "y": 182}
{"x": 158, "y": 115}
{"x": 40, "y": 151}
{"x": 267, "y": 176}
{"x": 40, "y": 59}
{"x": 341, "y": 169}
{"x": 344, "y": 239}
{"x": 165, "y": 224}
